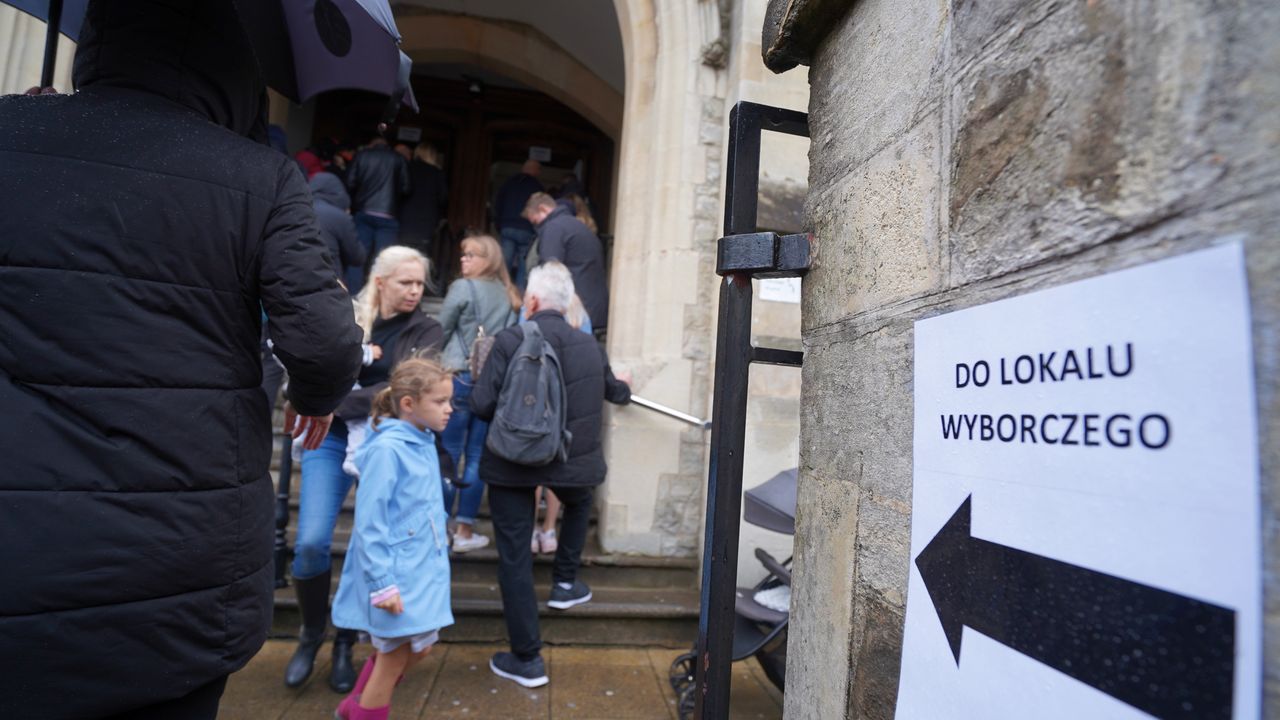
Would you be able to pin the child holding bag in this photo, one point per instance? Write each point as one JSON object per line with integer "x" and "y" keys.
{"x": 395, "y": 583}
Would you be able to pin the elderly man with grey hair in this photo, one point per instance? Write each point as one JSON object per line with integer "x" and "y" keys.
{"x": 588, "y": 382}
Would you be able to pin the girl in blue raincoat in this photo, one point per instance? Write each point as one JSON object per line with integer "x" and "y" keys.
{"x": 395, "y": 583}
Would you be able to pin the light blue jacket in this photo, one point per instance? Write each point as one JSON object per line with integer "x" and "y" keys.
{"x": 399, "y": 536}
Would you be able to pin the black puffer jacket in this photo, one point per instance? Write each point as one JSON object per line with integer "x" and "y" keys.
{"x": 141, "y": 236}
{"x": 588, "y": 383}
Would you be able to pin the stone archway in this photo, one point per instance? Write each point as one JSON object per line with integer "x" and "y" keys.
{"x": 517, "y": 51}
{"x": 669, "y": 128}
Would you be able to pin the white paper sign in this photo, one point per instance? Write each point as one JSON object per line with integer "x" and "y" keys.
{"x": 784, "y": 290}
{"x": 1085, "y": 537}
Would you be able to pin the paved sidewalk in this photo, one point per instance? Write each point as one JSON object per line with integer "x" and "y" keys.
{"x": 455, "y": 682}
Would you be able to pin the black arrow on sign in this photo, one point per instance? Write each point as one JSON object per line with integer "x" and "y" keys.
{"x": 1166, "y": 654}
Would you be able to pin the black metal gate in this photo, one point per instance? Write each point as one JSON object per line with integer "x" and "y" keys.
{"x": 742, "y": 254}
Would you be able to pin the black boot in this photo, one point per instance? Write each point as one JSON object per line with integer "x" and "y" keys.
{"x": 313, "y": 603}
{"x": 343, "y": 675}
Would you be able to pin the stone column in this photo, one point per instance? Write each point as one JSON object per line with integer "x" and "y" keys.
{"x": 663, "y": 278}
{"x": 966, "y": 152}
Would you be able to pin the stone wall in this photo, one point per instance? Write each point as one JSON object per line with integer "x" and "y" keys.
{"x": 969, "y": 151}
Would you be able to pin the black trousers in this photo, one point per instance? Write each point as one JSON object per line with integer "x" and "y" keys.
{"x": 199, "y": 704}
{"x": 512, "y": 509}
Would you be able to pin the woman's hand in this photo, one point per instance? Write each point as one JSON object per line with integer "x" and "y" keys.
{"x": 376, "y": 351}
{"x": 314, "y": 428}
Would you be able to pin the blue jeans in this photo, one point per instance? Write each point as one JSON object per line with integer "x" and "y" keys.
{"x": 465, "y": 431}
{"x": 515, "y": 246}
{"x": 375, "y": 234}
{"x": 324, "y": 487}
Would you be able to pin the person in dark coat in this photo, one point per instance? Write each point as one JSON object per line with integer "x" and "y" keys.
{"x": 515, "y": 233}
{"x": 588, "y": 382}
{"x": 378, "y": 180}
{"x": 331, "y": 203}
{"x": 564, "y": 238}
{"x": 427, "y": 200}
{"x": 144, "y": 226}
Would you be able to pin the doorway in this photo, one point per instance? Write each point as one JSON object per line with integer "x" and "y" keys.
{"x": 485, "y": 126}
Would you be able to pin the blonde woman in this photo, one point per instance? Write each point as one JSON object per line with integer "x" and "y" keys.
{"x": 395, "y": 328}
{"x": 482, "y": 298}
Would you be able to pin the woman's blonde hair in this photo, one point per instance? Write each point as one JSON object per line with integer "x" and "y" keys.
{"x": 583, "y": 213}
{"x": 494, "y": 267}
{"x": 427, "y": 153}
{"x": 368, "y": 300}
{"x": 575, "y": 314}
{"x": 411, "y": 378}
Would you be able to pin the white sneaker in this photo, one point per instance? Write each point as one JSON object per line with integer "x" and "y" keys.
{"x": 467, "y": 544}
{"x": 548, "y": 540}
{"x": 534, "y": 545}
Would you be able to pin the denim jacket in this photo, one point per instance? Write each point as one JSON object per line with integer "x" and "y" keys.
{"x": 399, "y": 537}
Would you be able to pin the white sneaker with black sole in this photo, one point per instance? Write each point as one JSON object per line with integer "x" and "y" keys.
{"x": 563, "y": 598}
{"x": 529, "y": 673}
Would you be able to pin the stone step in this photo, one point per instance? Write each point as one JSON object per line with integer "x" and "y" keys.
{"x": 664, "y": 617}
{"x": 346, "y": 518}
{"x": 597, "y": 568}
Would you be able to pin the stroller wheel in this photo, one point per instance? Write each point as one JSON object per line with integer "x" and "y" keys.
{"x": 681, "y": 673}
{"x": 685, "y": 701}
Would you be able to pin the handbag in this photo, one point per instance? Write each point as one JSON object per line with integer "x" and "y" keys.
{"x": 480, "y": 348}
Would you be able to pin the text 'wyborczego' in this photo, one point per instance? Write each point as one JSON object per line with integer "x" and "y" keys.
{"x": 1067, "y": 427}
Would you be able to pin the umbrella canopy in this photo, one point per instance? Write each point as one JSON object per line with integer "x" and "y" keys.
{"x": 304, "y": 47}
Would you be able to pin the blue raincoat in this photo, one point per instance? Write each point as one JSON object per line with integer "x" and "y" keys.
{"x": 399, "y": 537}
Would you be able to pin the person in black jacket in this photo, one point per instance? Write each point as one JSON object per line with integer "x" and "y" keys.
{"x": 378, "y": 180}
{"x": 588, "y": 382}
{"x": 514, "y": 230}
{"x": 564, "y": 238}
{"x": 331, "y": 203}
{"x": 145, "y": 226}
{"x": 427, "y": 200}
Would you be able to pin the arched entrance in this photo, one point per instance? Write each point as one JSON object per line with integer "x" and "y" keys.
{"x": 485, "y": 125}
{"x": 655, "y": 134}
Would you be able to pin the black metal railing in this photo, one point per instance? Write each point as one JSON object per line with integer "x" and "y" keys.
{"x": 743, "y": 254}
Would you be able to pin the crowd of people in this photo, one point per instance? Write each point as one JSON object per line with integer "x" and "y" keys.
{"x": 155, "y": 250}
{"x": 420, "y": 371}
{"x": 384, "y": 234}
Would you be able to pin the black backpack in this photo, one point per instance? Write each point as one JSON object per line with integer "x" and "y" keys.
{"x": 529, "y": 425}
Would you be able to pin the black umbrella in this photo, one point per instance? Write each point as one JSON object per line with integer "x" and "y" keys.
{"x": 304, "y": 47}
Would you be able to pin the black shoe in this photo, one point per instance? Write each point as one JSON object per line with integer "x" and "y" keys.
{"x": 313, "y": 604}
{"x": 342, "y": 678}
{"x": 562, "y": 599}
{"x": 529, "y": 673}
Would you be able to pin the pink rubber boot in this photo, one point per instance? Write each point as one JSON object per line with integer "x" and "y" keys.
{"x": 352, "y": 700}
{"x": 359, "y": 713}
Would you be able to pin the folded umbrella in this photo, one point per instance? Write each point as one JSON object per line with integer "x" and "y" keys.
{"x": 304, "y": 47}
